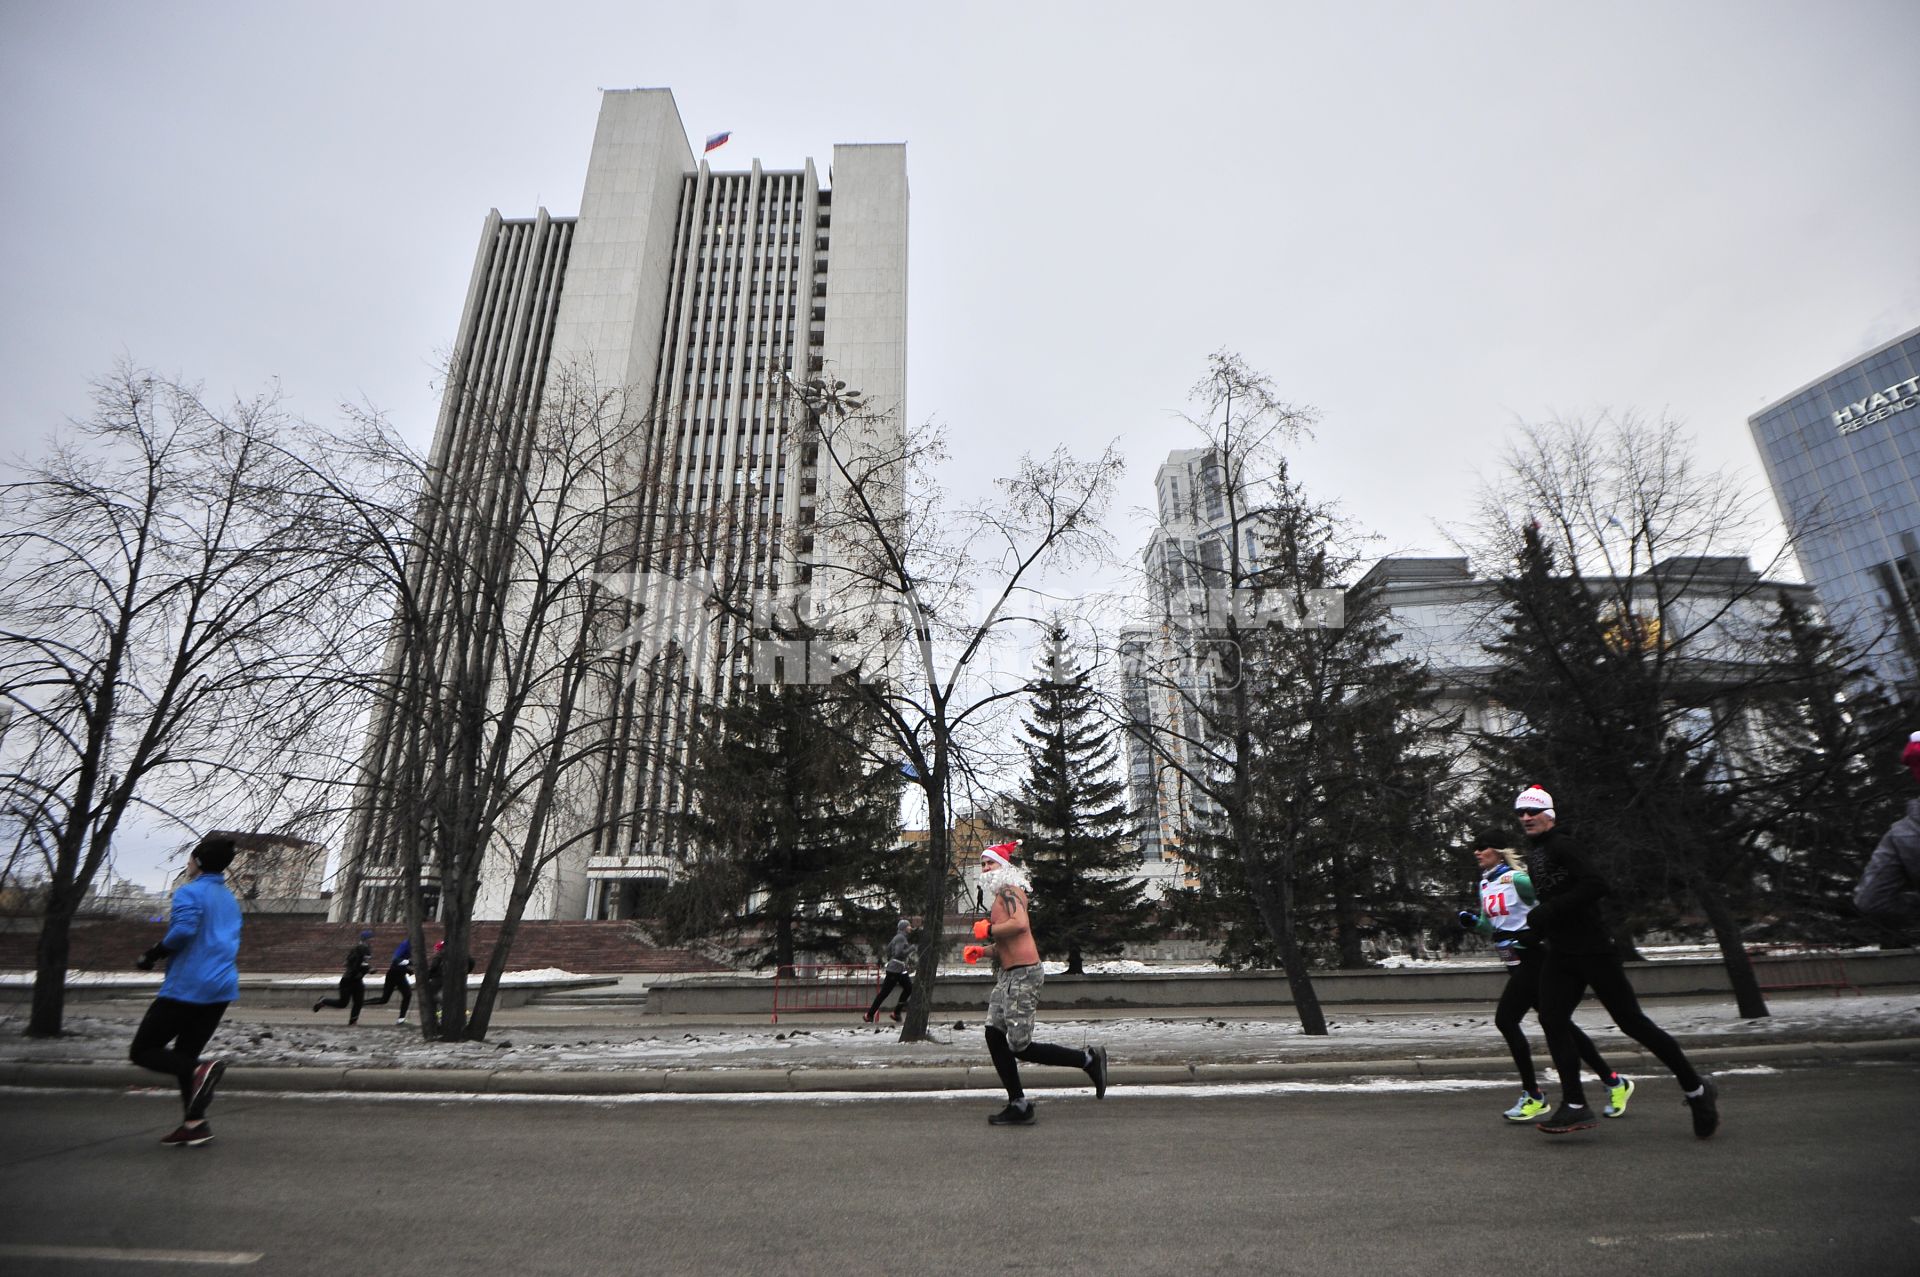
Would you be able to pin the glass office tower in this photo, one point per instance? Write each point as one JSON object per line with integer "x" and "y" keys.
{"x": 1843, "y": 455}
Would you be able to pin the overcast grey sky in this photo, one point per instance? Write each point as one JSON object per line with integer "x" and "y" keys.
{"x": 1428, "y": 221}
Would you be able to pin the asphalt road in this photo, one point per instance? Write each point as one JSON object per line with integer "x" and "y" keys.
{"x": 1815, "y": 1171}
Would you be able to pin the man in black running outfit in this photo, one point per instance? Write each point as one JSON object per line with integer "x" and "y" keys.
{"x": 1580, "y": 955}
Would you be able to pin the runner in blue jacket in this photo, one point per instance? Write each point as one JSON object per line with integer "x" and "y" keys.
{"x": 201, "y": 950}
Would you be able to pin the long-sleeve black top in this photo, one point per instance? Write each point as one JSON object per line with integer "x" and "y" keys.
{"x": 1568, "y": 915}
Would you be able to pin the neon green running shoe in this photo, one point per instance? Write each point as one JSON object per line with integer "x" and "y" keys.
{"x": 1526, "y": 1109}
{"x": 1617, "y": 1096}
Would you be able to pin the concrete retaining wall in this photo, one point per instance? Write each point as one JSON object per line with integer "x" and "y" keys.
{"x": 284, "y": 993}
{"x": 967, "y": 991}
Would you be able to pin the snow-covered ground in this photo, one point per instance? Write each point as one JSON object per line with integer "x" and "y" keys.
{"x": 1356, "y": 1034}
{"x": 134, "y": 979}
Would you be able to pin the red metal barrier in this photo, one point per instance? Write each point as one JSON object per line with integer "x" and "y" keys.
{"x": 1799, "y": 966}
{"x": 827, "y": 986}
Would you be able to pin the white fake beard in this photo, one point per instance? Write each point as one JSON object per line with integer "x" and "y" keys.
{"x": 991, "y": 883}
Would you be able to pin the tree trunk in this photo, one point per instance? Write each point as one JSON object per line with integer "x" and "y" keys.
{"x": 482, "y": 1017}
{"x": 933, "y": 901}
{"x": 1726, "y": 930}
{"x": 1346, "y": 921}
{"x": 50, "y": 969}
{"x": 783, "y": 946}
{"x": 1278, "y": 915}
{"x": 453, "y": 979}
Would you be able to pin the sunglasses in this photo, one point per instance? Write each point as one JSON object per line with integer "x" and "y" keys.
{"x": 1522, "y": 815}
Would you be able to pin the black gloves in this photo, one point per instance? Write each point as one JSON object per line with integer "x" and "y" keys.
{"x": 1468, "y": 920}
{"x": 146, "y": 960}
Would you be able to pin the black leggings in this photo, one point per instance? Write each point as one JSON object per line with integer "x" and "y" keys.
{"x": 1005, "y": 1057}
{"x": 905, "y": 983}
{"x": 1522, "y": 995}
{"x": 1564, "y": 980}
{"x": 189, "y": 1026}
{"x": 396, "y": 979}
{"x": 353, "y": 992}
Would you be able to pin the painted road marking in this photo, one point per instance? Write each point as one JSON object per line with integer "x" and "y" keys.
{"x": 112, "y": 1254}
{"x": 1662, "y": 1239}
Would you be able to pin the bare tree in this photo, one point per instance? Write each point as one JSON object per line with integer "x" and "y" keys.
{"x": 922, "y": 591}
{"x": 167, "y": 622}
{"x": 1222, "y": 591}
{"x": 510, "y": 567}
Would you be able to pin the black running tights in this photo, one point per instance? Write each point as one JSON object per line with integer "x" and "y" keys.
{"x": 352, "y": 993}
{"x": 396, "y": 979}
{"x": 1005, "y": 1059}
{"x": 1522, "y": 995}
{"x": 189, "y": 1026}
{"x": 899, "y": 978}
{"x": 1564, "y": 980}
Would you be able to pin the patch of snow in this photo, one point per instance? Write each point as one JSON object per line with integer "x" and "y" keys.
{"x": 1356, "y": 1033}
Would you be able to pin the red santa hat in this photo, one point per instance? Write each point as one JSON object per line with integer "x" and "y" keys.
{"x": 1002, "y": 852}
{"x": 1911, "y": 755}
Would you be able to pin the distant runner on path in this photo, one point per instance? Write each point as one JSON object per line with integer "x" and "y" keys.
{"x": 353, "y": 981}
{"x": 899, "y": 953}
{"x": 1016, "y": 990}
{"x": 201, "y": 950}
{"x": 1580, "y": 955}
{"x": 1506, "y": 898}
{"x": 399, "y": 971}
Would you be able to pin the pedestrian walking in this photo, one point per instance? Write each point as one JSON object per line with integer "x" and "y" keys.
{"x": 1580, "y": 956}
{"x": 353, "y": 980}
{"x": 399, "y": 979}
{"x": 1016, "y": 990}
{"x": 1889, "y": 890}
{"x": 1506, "y": 899}
{"x": 899, "y": 955}
{"x": 202, "y": 950}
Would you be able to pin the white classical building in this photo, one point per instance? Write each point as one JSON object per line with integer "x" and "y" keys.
{"x": 699, "y": 292}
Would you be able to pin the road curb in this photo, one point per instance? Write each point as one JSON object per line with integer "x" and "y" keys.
{"x": 923, "y": 1077}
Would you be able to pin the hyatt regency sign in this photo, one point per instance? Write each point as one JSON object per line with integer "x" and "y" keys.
{"x": 1878, "y": 406}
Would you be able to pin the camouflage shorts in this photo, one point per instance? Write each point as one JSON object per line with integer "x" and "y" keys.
{"x": 1016, "y": 996}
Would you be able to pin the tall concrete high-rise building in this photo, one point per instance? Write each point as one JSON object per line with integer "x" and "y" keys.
{"x": 697, "y": 295}
{"x": 1186, "y": 568}
{"x": 1843, "y": 455}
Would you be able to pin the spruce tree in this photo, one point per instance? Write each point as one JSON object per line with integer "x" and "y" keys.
{"x": 796, "y": 826}
{"x": 1357, "y": 760}
{"x": 1088, "y": 896}
{"x": 1822, "y": 785}
{"x": 1599, "y": 711}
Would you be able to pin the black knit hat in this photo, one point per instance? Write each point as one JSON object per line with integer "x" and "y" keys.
{"x": 214, "y": 854}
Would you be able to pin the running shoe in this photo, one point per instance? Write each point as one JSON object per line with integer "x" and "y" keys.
{"x": 206, "y": 1076}
{"x": 1618, "y": 1094}
{"x": 1569, "y": 1117}
{"x": 1097, "y": 1070}
{"x": 1017, "y": 1113}
{"x": 1527, "y": 1108}
{"x": 1706, "y": 1108}
{"x": 188, "y": 1136}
